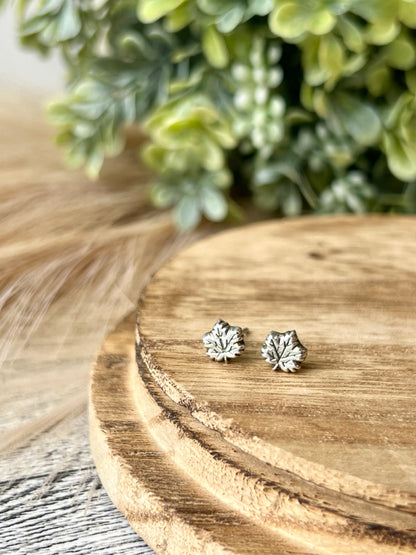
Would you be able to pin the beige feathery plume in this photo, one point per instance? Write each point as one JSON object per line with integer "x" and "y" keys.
{"x": 73, "y": 257}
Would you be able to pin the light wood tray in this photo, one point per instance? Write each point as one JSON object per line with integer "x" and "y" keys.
{"x": 319, "y": 461}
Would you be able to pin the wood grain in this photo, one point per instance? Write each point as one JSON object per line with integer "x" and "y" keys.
{"x": 345, "y": 423}
{"x": 274, "y": 498}
{"x": 172, "y": 512}
{"x": 347, "y": 286}
{"x": 321, "y": 461}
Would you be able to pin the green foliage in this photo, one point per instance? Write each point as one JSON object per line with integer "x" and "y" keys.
{"x": 304, "y": 104}
{"x": 349, "y": 193}
{"x": 188, "y": 132}
{"x": 199, "y": 193}
{"x": 399, "y": 139}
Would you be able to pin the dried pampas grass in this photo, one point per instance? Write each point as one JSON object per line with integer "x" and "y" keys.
{"x": 73, "y": 257}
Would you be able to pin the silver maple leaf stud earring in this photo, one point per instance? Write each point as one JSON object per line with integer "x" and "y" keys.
{"x": 224, "y": 342}
{"x": 284, "y": 351}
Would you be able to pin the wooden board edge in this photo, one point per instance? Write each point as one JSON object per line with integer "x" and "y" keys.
{"x": 153, "y": 515}
{"x": 310, "y": 514}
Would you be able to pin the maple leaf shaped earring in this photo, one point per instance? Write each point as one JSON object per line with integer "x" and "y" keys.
{"x": 284, "y": 351}
{"x": 224, "y": 342}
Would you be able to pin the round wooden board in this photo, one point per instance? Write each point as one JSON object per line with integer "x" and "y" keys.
{"x": 346, "y": 284}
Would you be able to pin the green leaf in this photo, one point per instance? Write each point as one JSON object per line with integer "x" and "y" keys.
{"x": 221, "y": 179}
{"x": 187, "y": 213}
{"x": 314, "y": 72}
{"x": 213, "y": 204}
{"x": 230, "y": 19}
{"x": 321, "y": 102}
{"x": 94, "y": 163}
{"x": 351, "y": 34}
{"x": 289, "y": 20}
{"x": 257, "y": 7}
{"x": 296, "y": 116}
{"x": 163, "y": 195}
{"x": 213, "y": 155}
{"x": 382, "y": 32}
{"x": 359, "y": 118}
{"x": 376, "y": 10}
{"x": 354, "y": 64}
{"x": 191, "y": 81}
{"x": 306, "y": 96}
{"x": 32, "y": 25}
{"x": 332, "y": 58}
{"x": 49, "y": 33}
{"x": 69, "y": 22}
{"x": 152, "y": 10}
{"x": 154, "y": 156}
{"x": 401, "y": 160}
{"x": 179, "y": 18}
{"x": 400, "y": 54}
{"x": 214, "y": 47}
{"x": 183, "y": 54}
{"x": 321, "y": 22}
{"x": 407, "y": 13}
{"x": 392, "y": 116}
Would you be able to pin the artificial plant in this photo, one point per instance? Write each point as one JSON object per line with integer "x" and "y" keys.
{"x": 300, "y": 104}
